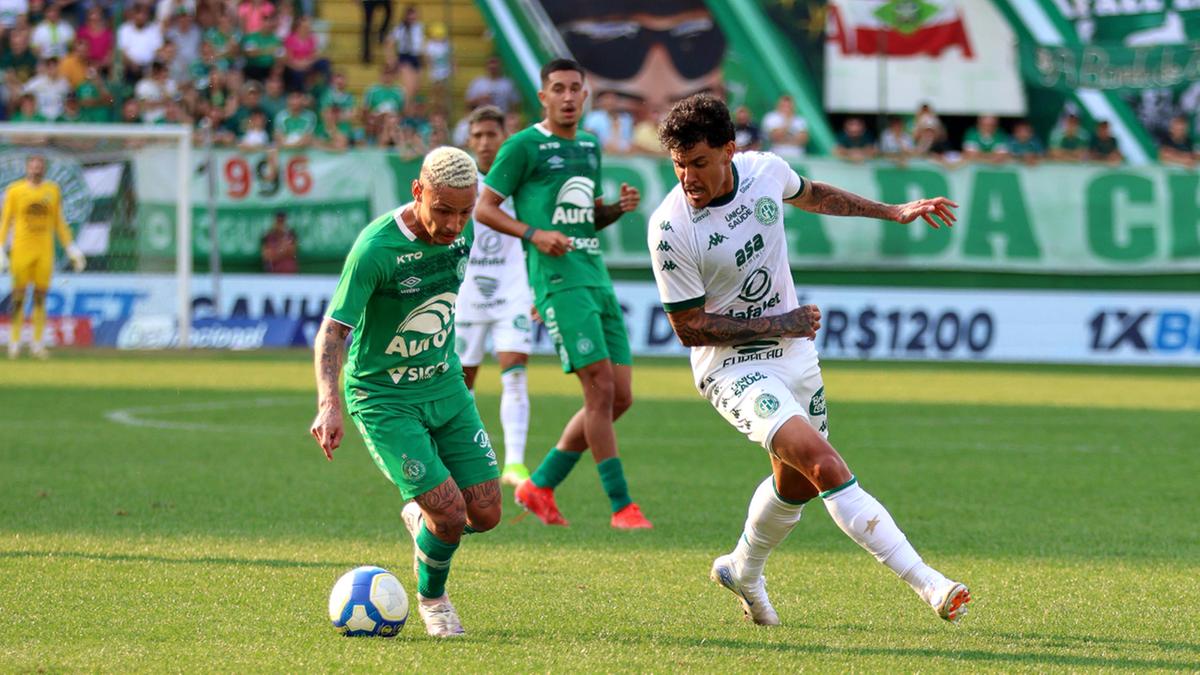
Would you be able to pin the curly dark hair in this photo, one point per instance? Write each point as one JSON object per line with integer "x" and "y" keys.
{"x": 701, "y": 117}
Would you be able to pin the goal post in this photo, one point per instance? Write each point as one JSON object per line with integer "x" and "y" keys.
{"x": 92, "y": 145}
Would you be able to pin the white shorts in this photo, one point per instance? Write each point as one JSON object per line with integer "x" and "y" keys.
{"x": 513, "y": 334}
{"x": 757, "y": 398}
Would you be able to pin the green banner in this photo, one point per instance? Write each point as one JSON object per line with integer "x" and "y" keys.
{"x": 1111, "y": 66}
{"x": 1049, "y": 218}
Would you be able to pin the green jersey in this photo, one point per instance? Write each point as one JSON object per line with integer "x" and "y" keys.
{"x": 553, "y": 182}
{"x": 988, "y": 145}
{"x": 384, "y": 99}
{"x": 398, "y": 294}
{"x": 295, "y": 127}
{"x": 266, "y": 44}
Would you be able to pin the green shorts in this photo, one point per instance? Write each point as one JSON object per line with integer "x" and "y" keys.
{"x": 587, "y": 326}
{"x": 419, "y": 445}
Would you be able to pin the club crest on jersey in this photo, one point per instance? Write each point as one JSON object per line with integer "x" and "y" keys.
{"x": 766, "y": 211}
{"x": 575, "y": 202}
{"x": 766, "y": 405}
{"x": 413, "y": 469}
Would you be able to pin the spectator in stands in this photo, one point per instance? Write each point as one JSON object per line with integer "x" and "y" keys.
{"x": 255, "y": 135}
{"x": 285, "y": 21}
{"x": 279, "y": 247}
{"x": 274, "y": 96}
{"x": 139, "y": 41}
{"x": 895, "y": 142}
{"x": 18, "y": 59}
{"x": 11, "y": 11}
{"x": 27, "y": 110}
{"x": 301, "y": 56}
{"x": 225, "y": 38}
{"x": 1104, "y": 145}
{"x": 1025, "y": 147}
{"x": 1070, "y": 142}
{"x": 253, "y": 14}
{"x": 786, "y": 131}
{"x": 385, "y": 96}
{"x": 131, "y": 112}
{"x": 201, "y": 71}
{"x": 369, "y": 7}
{"x": 492, "y": 88}
{"x": 336, "y": 95}
{"x": 337, "y": 130}
{"x": 746, "y": 135}
{"x": 296, "y": 125}
{"x": 183, "y": 32}
{"x": 154, "y": 91}
{"x": 72, "y": 112}
{"x": 929, "y": 140}
{"x": 855, "y": 142}
{"x": 645, "y": 132}
{"x": 177, "y": 71}
{"x": 248, "y": 103}
{"x": 98, "y": 35}
{"x": 49, "y": 88}
{"x": 53, "y": 36}
{"x": 416, "y": 116}
{"x": 1177, "y": 146}
{"x": 74, "y": 65}
{"x": 439, "y": 60}
{"x": 405, "y": 46}
{"x": 94, "y": 97}
{"x": 926, "y": 117}
{"x": 260, "y": 49}
{"x": 986, "y": 141}
{"x": 612, "y": 126}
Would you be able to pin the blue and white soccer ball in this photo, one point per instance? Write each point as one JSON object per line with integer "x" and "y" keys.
{"x": 368, "y": 601}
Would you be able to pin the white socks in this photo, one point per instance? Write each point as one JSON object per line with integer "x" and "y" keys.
{"x": 768, "y": 523}
{"x": 864, "y": 520}
{"x": 514, "y": 413}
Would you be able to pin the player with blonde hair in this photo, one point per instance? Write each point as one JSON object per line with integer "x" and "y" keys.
{"x": 33, "y": 211}
{"x": 404, "y": 384}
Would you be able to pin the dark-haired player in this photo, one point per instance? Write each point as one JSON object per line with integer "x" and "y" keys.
{"x": 552, "y": 172}
{"x": 720, "y": 260}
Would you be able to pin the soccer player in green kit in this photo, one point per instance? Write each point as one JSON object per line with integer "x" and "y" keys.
{"x": 552, "y": 172}
{"x": 404, "y": 384}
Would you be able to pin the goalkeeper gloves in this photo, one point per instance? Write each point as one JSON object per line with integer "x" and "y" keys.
{"x": 78, "y": 261}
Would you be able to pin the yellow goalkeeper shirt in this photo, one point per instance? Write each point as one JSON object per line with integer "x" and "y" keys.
{"x": 35, "y": 214}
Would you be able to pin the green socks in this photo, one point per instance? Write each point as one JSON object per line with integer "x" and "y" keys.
{"x": 612, "y": 477}
{"x": 433, "y": 565}
{"x": 555, "y": 467}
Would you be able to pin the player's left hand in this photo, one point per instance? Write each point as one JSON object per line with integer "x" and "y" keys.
{"x": 78, "y": 261}
{"x": 932, "y": 210}
{"x": 328, "y": 428}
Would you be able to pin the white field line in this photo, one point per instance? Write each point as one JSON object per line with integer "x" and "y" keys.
{"x": 136, "y": 417}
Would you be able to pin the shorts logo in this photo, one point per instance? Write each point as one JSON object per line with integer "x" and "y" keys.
{"x": 817, "y": 405}
{"x": 487, "y": 285}
{"x": 481, "y": 438}
{"x": 766, "y": 211}
{"x": 766, "y": 405}
{"x": 584, "y": 346}
{"x": 413, "y": 469}
{"x": 521, "y": 322}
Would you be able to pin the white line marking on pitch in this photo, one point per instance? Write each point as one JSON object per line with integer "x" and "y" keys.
{"x": 134, "y": 416}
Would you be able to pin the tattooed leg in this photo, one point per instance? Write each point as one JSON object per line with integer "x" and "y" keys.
{"x": 483, "y": 505}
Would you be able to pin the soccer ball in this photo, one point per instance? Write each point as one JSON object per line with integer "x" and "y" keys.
{"x": 368, "y": 601}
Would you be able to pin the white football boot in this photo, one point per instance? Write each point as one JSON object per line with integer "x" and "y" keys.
{"x": 752, "y": 595}
{"x": 950, "y": 601}
{"x": 441, "y": 619}
{"x": 412, "y": 516}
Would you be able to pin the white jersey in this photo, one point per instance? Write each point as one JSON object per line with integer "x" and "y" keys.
{"x": 731, "y": 258}
{"x": 496, "y": 284}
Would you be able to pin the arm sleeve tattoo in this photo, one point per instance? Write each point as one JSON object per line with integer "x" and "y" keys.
{"x": 833, "y": 201}
{"x": 327, "y": 350}
{"x": 696, "y": 328}
{"x": 607, "y": 214}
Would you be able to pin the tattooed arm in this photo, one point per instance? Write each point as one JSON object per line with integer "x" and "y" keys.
{"x": 328, "y": 427}
{"x": 833, "y": 201}
{"x": 696, "y": 328}
{"x": 607, "y": 214}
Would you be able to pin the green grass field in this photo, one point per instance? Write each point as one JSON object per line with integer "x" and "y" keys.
{"x": 161, "y": 512}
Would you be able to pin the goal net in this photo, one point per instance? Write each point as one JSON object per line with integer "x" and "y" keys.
{"x": 126, "y": 196}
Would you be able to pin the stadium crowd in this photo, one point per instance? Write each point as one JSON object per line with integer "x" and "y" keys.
{"x": 254, "y": 72}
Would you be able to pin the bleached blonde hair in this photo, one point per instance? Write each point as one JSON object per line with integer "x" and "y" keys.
{"x": 447, "y": 166}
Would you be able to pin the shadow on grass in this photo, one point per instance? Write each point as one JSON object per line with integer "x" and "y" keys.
{"x": 1030, "y": 657}
{"x": 206, "y": 560}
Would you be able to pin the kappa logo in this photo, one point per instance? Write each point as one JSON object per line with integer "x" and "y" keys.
{"x": 575, "y": 202}
{"x": 716, "y": 239}
{"x": 766, "y": 211}
{"x": 663, "y": 246}
{"x": 431, "y": 322}
{"x": 766, "y": 405}
{"x": 669, "y": 266}
{"x": 665, "y": 226}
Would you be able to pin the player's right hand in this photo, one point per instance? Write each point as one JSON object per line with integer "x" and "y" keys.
{"x": 552, "y": 242}
{"x": 328, "y": 429}
{"x": 803, "y": 322}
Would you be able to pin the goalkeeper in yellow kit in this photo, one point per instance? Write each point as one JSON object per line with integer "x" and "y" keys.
{"x": 33, "y": 209}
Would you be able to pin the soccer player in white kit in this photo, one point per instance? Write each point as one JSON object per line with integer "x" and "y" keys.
{"x": 495, "y": 300}
{"x": 720, "y": 259}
